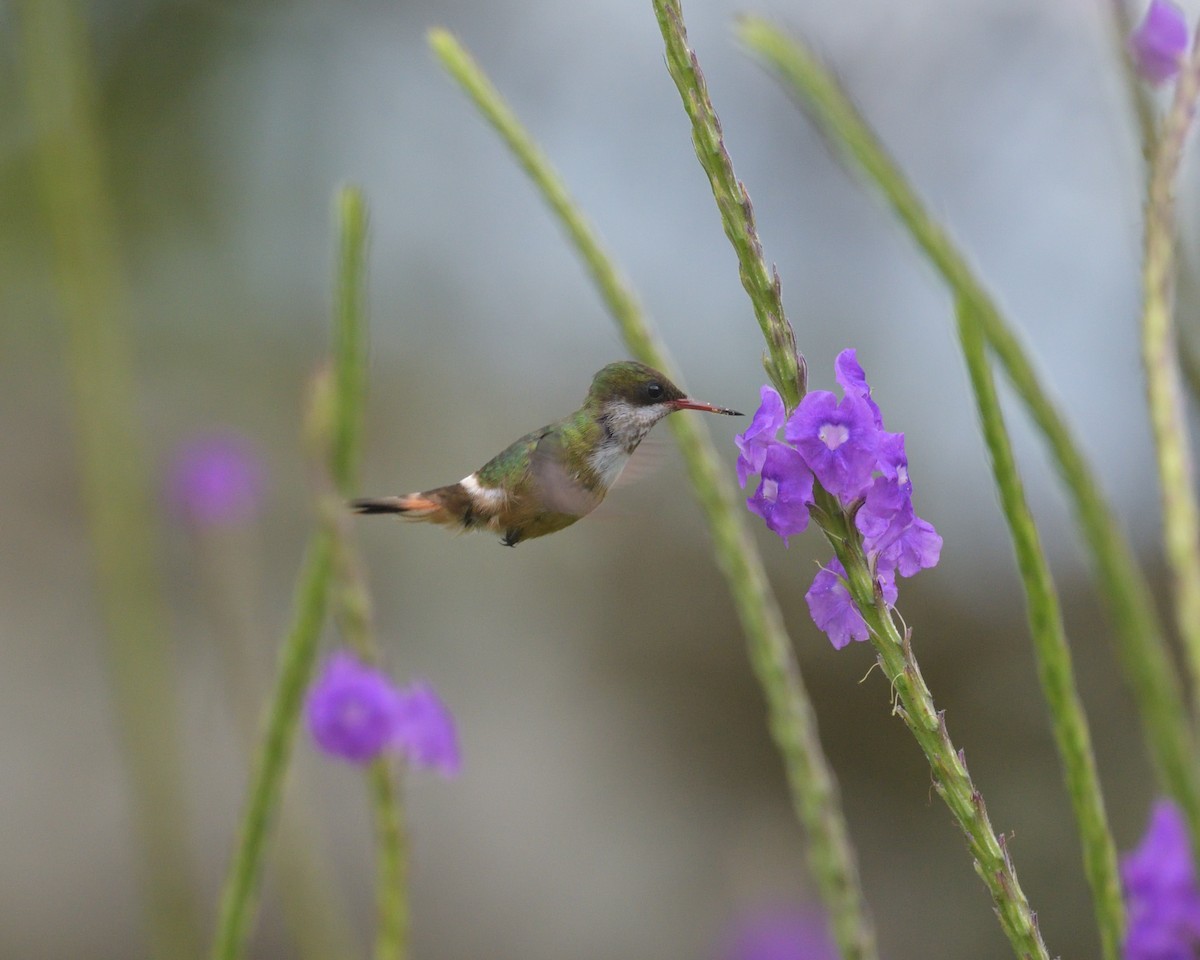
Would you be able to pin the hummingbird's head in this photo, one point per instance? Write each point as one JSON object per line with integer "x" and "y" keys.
{"x": 629, "y": 398}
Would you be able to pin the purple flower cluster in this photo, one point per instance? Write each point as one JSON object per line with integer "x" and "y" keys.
{"x": 1159, "y": 42}
{"x": 356, "y": 713}
{"x": 1161, "y": 896}
{"x": 842, "y": 445}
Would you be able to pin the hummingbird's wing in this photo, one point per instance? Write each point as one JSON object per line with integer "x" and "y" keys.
{"x": 557, "y": 488}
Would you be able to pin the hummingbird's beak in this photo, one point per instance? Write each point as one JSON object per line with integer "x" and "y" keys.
{"x": 687, "y": 403}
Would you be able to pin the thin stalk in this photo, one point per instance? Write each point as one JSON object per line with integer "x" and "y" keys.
{"x": 916, "y": 708}
{"x": 60, "y": 92}
{"x": 1055, "y": 670}
{"x": 296, "y": 659}
{"x": 784, "y": 364}
{"x": 950, "y": 773}
{"x": 313, "y": 910}
{"x": 1140, "y": 643}
{"x": 1164, "y": 392}
{"x": 791, "y": 718}
{"x": 351, "y": 597}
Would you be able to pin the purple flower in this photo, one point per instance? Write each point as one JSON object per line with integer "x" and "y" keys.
{"x": 918, "y": 547}
{"x": 352, "y": 709}
{"x": 841, "y": 444}
{"x": 887, "y": 510}
{"x": 784, "y": 492}
{"x": 833, "y": 609}
{"x": 1161, "y": 895}
{"x": 760, "y": 435}
{"x": 838, "y": 441}
{"x": 424, "y": 730}
{"x": 216, "y": 479}
{"x": 853, "y": 381}
{"x": 780, "y": 932}
{"x": 356, "y": 713}
{"x": 1159, "y": 42}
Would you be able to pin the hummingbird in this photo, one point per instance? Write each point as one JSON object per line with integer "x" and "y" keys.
{"x": 551, "y": 477}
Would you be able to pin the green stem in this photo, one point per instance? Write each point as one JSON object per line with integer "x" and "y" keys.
{"x": 327, "y": 557}
{"x": 1053, "y": 655}
{"x": 1181, "y": 519}
{"x": 1141, "y": 646}
{"x": 1015, "y": 914}
{"x": 791, "y": 718}
{"x": 916, "y": 708}
{"x": 60, "y": 92}
{"x": 313, "y": 910}
{"x": 783, "y": 363}
{"x": 299, "y": 652}
{"x": 352, "y": 598}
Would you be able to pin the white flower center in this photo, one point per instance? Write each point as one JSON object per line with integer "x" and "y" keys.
{"x": 770, "y": 490}
{"x": 833, "y": 435}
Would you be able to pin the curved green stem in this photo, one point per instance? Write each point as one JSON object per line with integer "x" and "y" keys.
{"x": 68, "y": 155}
{"x": 1055, "y": 670}
{"x": 916, "y": 708}
{"x": 792, "y": 721}
{"x": 239, "y": 897}
{"x": 784, "y": 363}
{"x": 351, "y": 596}
{"x": 1164, "y": 392}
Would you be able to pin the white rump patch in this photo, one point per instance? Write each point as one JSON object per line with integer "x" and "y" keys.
{"x": 486, "y": 499}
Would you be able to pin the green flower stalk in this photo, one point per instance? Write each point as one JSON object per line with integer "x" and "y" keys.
{"x": 296, "y": 659}
{"x": 1181, "y": 519}
{"x": 1053, "y": 655}
{"x": 952, "y": 781}
{"x": 839, "y": 466}
{"x": 68, "y": 153}
{"x": 916, "y": 708}
{"x": 334, "y": 428}
{"x": 791, "y": 718}
{"x": 1142, "y": 649}
{"x": 784, "y": 364}
{"x": 351, "y": 597}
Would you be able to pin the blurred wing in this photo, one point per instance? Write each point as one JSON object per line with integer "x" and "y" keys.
{"x": 557, "y": 490}
{"x": 647, "y": 460}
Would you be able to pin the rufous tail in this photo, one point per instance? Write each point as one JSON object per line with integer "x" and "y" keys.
{"x": 413, "y": 506}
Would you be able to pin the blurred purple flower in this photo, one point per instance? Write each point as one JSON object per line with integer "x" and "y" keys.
{"x": 424, "y": 730}
{"x": 351, "y": 709}
{"x": 838, "y": 440}
{"x": 1161, "y": 895}
{"x": 760, "y": 435}
{"x": 1159, "y": 42}
{"x": 784, "y": 492}
{"x": 778, "y": 933}
{"x": 216, "y": 479}
{"x": 356, "y": 713}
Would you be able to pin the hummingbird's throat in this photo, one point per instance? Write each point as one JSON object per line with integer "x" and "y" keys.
{"x": 626, "y": 425}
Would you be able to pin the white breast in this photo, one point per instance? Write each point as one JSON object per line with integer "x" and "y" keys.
{"x": 607, "y": 461}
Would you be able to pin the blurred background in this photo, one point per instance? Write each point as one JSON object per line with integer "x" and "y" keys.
{"x": 621, "y": 797}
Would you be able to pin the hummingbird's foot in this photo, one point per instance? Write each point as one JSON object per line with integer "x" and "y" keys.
{"x": 511, "y": 538}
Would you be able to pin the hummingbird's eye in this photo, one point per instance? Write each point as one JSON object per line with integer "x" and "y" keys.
{"x": 654, "y": 390}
